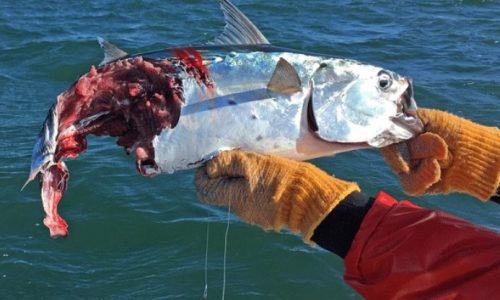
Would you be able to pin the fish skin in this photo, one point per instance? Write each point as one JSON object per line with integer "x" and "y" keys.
{"x": 279, "y": 120}
{"x": 176, "y": 108}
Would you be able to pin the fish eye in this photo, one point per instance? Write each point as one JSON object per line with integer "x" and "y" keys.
{"x": 384, "y": 80}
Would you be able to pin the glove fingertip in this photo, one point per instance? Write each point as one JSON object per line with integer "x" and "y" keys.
{"x": 209, "y": 190}
{"x": 200, "y": 172}
{"x": 231, "y": 163}
{"x": 206, "y": 198}
{"x": 394, "y": 159}
{"x": 215, "y": 166}
{"x": 441, "y": 148}
{"x": 201, "y": 183}
{"x": 429, "y": 145}
{"x": 422, "y": 178}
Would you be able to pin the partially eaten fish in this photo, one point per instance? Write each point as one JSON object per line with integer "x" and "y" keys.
{"x": 176, "y": 108}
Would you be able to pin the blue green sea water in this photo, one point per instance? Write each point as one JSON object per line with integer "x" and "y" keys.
{"x": 140, "y": 238}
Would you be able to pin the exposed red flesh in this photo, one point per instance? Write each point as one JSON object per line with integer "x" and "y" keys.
{"x": 142, "y": 97}
{"x": 194, "y": 65}
{"x": 53, "y": 182}
{"x": 132, "y": 99}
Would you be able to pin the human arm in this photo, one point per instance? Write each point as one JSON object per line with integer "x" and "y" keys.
{"x": 403, "y": 251}
{"x": 270, "y": 191}
{"x": 391, "y": 250}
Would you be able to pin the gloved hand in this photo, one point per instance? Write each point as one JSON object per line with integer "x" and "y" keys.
{"x": 270, "y": 191}
{"x": 452, "y": 155}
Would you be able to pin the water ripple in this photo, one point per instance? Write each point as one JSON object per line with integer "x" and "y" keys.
{"x": 135, "y": 237}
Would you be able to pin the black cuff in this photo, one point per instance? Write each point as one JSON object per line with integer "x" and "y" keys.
{"x": 496, "y": 198}
{"x": 338, "y": 229}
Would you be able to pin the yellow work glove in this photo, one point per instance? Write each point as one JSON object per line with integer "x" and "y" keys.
{"x": 452, "y": 155}
{"x": 270, "y": 191}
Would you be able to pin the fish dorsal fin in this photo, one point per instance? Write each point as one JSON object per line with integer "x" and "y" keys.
{"x": 239, "y": 30}
{"x": 285, "y": 79}
{"x": 111, "y": 52}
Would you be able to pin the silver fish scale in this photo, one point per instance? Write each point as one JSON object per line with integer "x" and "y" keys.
{"x": 245, "y": 114}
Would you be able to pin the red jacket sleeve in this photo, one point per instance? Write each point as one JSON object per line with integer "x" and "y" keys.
{"x": 403, "y": 251}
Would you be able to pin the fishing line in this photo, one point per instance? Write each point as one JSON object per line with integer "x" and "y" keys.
{"x": 225, "y": 252}
{"x": 205, "y": 292}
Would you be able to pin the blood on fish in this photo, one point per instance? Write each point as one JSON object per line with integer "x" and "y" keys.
{"x": 132, "y": 99}
{"x": 139, "y": 96}
{"x": 194, "y": 65}
{"x": 53, "y": 184}
{"x": 82, "y": 87}
{"x": 134, "y": 89}
{"x": 92, "y": 71}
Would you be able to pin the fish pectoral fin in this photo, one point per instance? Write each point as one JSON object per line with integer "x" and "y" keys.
{"x": 239, "y": 30}
{"x": 111, "y": 52}
{"x": 285, "y": 79}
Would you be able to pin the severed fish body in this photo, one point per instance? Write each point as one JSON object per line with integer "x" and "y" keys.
{"x": 316, "y": 106}
{"x": 175, "y": 108}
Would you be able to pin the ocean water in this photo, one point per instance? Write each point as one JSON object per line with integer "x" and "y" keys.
{"x": 139, "y": 238}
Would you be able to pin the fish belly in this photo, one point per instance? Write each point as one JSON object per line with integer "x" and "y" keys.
{"x": 269, "y": 125}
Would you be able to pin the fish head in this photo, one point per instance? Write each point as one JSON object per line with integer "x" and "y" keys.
{"x": 358, "y": 103}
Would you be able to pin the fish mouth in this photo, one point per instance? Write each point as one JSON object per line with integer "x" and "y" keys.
{"x": 405, "y": 124}
{"x": 406, "y": 116}
{"x": 407, "y": 102}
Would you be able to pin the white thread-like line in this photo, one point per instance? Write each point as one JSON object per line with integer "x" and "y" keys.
{"x": 225, "y": 252}
{"x": 205, "y": 292}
